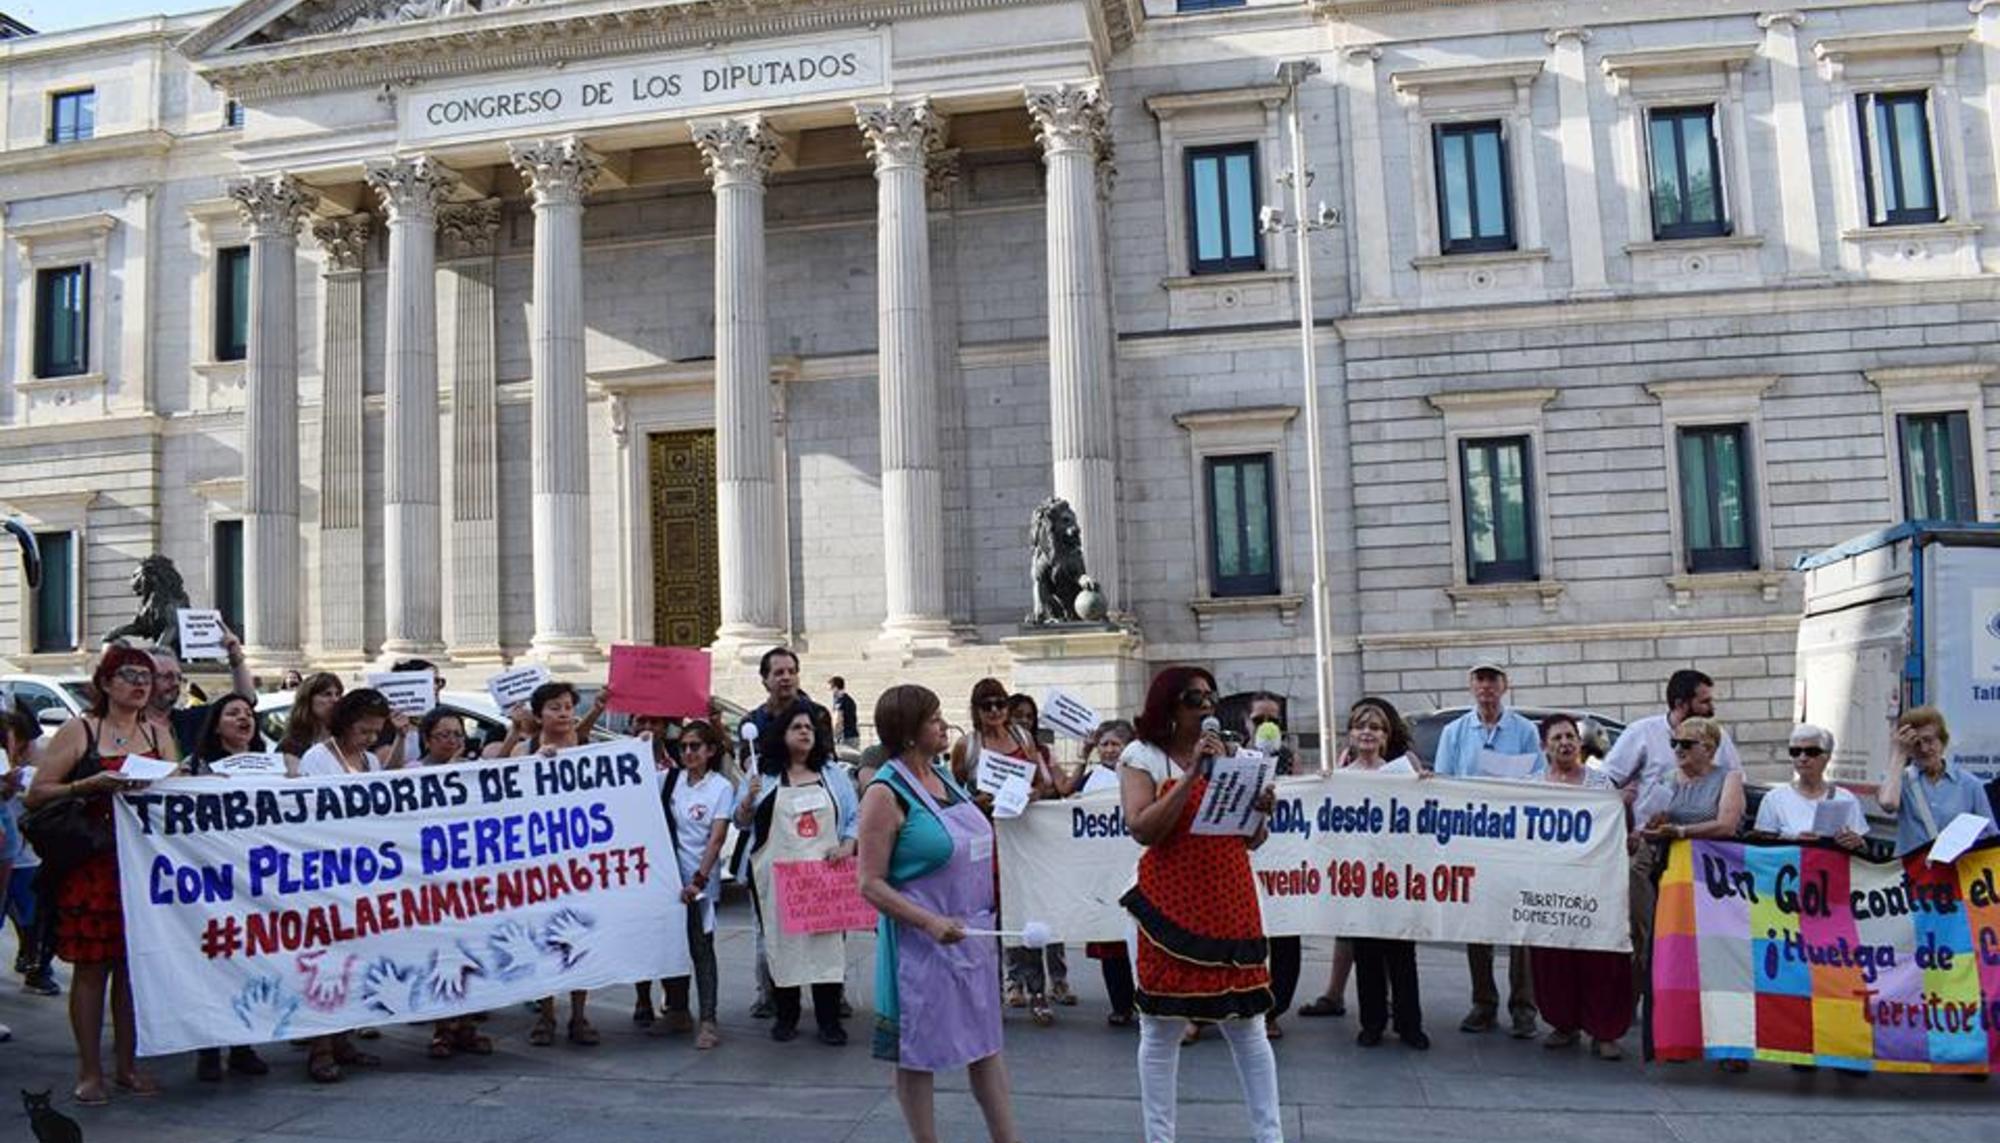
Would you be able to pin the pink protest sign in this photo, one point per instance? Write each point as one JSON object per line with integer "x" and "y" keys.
{"x": 821, "y": 897}
{"x": 659, "y": 680}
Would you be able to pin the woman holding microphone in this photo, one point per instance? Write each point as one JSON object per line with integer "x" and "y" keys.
{"x": 1201, "y": 951}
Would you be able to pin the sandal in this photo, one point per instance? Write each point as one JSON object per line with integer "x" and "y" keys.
{"x": 1324, "y": 1006}
{"x": 322, "y": 1067}
{"x": 582, "y": 1034}
{"x": 349, "y": 1056}
{"x": 468, "y": 1040}
{"x": 1061, "y": 993}
{"x": 139, "y": 1084}
{"x": 710, "y": 1037}
{"x": 441, "y": 1045}
{"x": 544, "y": 1032}
{"x": 1192, "y": 1034}
{"x": 1039, "y": 1011}
{"x": 91, "y": 1095}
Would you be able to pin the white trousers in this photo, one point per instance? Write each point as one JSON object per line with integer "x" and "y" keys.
{"x": 1159, "y": 1075}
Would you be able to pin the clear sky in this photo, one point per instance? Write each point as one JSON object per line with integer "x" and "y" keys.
{"x": 59, "y": 15}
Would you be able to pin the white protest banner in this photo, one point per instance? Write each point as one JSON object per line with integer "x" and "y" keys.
{"x": 512, "y": 688}
{"x": 1068, "y": 713}
{"x": 259, "y": 765}
{"x": 1361, "y": 855}
{"x": 409, "y": 692}
{"x": 201, "y": 633}
{"x": 995, "y": 769}
{"x": 270, "y": 911}
{"x": 1229, "y": 806}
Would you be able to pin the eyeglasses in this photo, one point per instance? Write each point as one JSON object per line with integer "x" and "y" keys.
{"x": 1261, "y": 719}
{"x": 1807, "y": 752}
{"x": 993, "y": 704}
{"x": 1684, "y": 743}
{"x": 137, "y": 676}
{"x": 441, "y": 732}
{"x": 1196, "y": 699}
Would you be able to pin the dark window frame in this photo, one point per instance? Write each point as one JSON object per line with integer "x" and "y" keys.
{"x": 1957, "y": 425}
{"x": 52, "y": 360}
{"x": 83, "y": 125}
{"x": 1246, "y": 585}
{"x": 231, "y": 335}
{"x": 1475, "y": 244}
{"x": 1865, "y": 104}
{"x": 67, "y": 572}
{"x": 1207, "y": 5}
{"x": 1718, "y": 558}
{"x": 1227, "y": 264}
{"x": 1717, "y": 227}
{"x": 232, "y": 113}
{"x": 225, "y": 546}
{"x": 1526, "y": 568}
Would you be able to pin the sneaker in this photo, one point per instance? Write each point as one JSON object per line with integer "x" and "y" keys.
{"x": 1476, "y": 1021}
{"x": 24, "y": 964}
{"x": 1416, "y": 1041}
{"x": 41, "y": 983}
{"x": 834, "y": 1037}
{"x": 1524, "y": 1026}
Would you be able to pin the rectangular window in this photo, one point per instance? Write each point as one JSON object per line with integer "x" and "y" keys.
{"x": 54, "y": 607}
{"x": 232, "y": 303}
{"x": 1937, "y": 467}
{"x": 1206, "y": 5}
{"x": 1242, "y": 526}
{"x": 1715, "y": 499}
{"x": 1222, "y": 209}
{"x": 228, "y": 556}
{"x": 1687, "y": 166}
{"x": 62, "y": 321}
{"x": 1475, "y": 205}
{"x": 1497, "y": 490}
{"x": 1896, "y": 167}
{"x": 232, "y": 113}
{"x": 72, "y": 115}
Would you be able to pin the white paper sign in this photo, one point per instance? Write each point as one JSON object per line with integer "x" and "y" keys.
{"x": 1012, "y": 797}
{"x": 1400, "y": 764}
{"x": 1956, "y": 837}
{"x": 255, "y": 765}
{"x": 995, "y": 769}
{"x": 1830, "y": 816}
{"x": 201, "y": 633}
{"x": 1493, "y": 764}
{"x": 1068, "y": 713}
{"x": 512, "y": 688}
{"x": 409, "y": 692}
{"x": 1230, "y": 804}
{"x": 139, "y": 768}
{"x": 1100, "y": 778}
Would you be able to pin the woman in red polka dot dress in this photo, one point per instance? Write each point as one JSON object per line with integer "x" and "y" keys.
{"x": 1201, "y": 953}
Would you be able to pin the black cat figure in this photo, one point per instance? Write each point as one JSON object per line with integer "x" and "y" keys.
{"x": 51, "y": 1126}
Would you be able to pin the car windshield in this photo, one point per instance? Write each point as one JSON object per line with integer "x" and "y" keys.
{"x": 79, "y": 689}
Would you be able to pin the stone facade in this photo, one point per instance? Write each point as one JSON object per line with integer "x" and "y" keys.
{"x": 977, "y": 287}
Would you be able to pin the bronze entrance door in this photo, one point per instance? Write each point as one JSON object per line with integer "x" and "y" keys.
{"x": 687, "y": 588}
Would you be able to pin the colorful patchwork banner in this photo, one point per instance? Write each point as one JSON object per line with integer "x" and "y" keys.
{"x": 1809, "y": 955}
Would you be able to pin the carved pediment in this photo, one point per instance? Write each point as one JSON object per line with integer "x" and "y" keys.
{"x": 327, "y": 17}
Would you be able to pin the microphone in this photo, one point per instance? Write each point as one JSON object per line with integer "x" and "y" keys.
{"x": 1211, "y": 725}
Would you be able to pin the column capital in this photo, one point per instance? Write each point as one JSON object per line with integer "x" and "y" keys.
{"x": 1789, "y": 19}
{"x": 899, "y": 132}
{"x": 737, "y": 150}
{"x": 272, "y": 205}
{"x": 468, "y": 229}
{"x": 941, "y": 173}
{"x": 344, "y": 241}
{"x": 1069, "y": 117}
{"x": 411, "y": 187}
{"x": 1554, "y": 37}
{"x": 559, "y": 171}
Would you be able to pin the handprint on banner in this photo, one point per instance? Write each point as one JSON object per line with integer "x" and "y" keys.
{"x": 327, "y": 979}
{"x": 265, "y": 1007}
{"x": 390, "y": 988}
{"x": 568, "y": 933}
{"x": 452, "y": 970}
{"x": 514, "y": 951}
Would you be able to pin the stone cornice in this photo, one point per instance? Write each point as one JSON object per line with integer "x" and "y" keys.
{"x": 542, "y": 35}
{"x": 104, "y": 148}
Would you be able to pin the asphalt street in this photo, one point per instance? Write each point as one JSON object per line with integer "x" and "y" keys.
{"x": 1073, "y": 1082}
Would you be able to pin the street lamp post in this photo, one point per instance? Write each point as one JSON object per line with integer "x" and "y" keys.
{"x": 1302, "y": 225}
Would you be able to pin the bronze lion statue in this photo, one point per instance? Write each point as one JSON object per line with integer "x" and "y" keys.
{"x": 157, "y": 583}
{"x": 1058, "y": 572}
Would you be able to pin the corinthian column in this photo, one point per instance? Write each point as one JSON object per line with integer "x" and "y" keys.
{"x": 272, "y": 207}
{"x": 340, "y": 592}
{"x": 1069, "y": 121}
{"x": 739, "y": 153}
{"x": 559, "y": 172}
{"x": 411, "y": 190}
{"x": 900, "y": 137}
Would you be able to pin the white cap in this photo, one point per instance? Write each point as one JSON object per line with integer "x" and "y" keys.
{"x": 1481, "y": 665}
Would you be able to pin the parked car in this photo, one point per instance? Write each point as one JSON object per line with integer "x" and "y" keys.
{"x": 1599, "y": 731}
{"x": 52, "y": 699}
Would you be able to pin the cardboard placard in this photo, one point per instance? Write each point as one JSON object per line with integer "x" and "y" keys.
{"x": 1069, "y": 714}
{"x": 201, "y": 633}
{"x": 510, "y": 689}
{"x": 671, "y": 681}
{"x": 409, "y": 692}
{"x": 821, "y": 897}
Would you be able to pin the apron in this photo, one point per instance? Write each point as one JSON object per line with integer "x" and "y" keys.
{"x": 803, "y": 828}
{"x": 948, "y": 1009}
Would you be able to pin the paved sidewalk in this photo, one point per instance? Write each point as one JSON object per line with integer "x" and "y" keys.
{"x": 1074, "y": 1082}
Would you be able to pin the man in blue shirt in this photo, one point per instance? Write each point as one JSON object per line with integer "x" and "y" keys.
{"x": 1494, "y": 742}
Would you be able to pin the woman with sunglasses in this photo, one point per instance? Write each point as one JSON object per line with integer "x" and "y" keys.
{"x": 1792, "y": 810}
{"x": 1201, "y": 952}
{"x": 82, "y": 762}
{"x": 699, "y": 799}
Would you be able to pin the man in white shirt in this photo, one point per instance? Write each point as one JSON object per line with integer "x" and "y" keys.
{"x": 1644, "y": 753}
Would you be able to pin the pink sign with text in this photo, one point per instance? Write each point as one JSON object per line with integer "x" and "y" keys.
{"x": 821, "y": 897}
{"x": 659, "y": 680}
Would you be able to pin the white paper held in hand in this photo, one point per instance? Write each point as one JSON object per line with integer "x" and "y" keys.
{"x": 1956, "y": 837}
{"x": 1012, "y": 798}
{"x": 408, "y": 692}
{"x": 995, "y": 769}
{"x": 139, "y": 768}
{"x": 254, "y": 765}
{"x": 1230, "y": 804}
{"x": 201, "y": 633}
{"x": 511, "y": 688}
{"x": 1069, "y": 714}
{"x": 1829, "y": 817}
